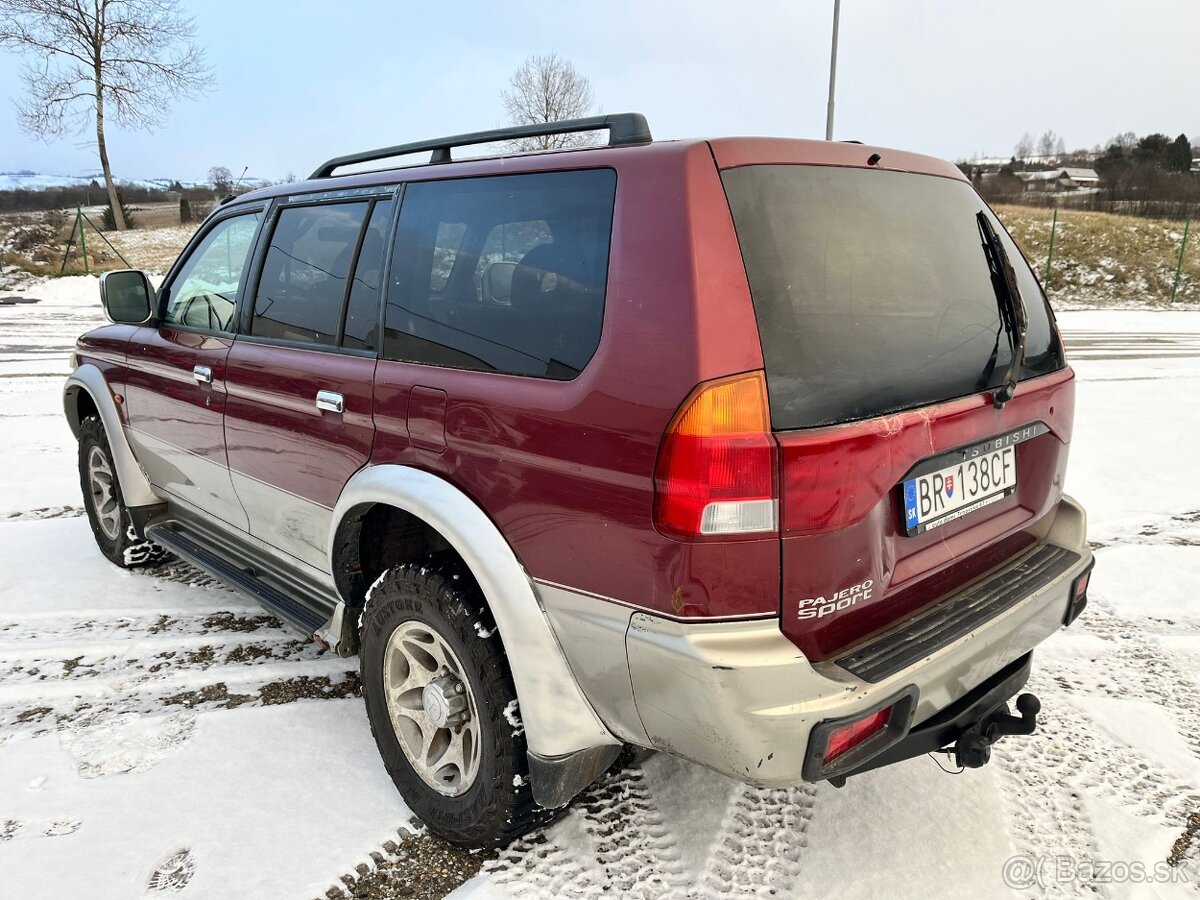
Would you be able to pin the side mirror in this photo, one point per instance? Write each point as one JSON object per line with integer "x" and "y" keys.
{"x": 127, "y": 296}
{"x": 497, "y": 282}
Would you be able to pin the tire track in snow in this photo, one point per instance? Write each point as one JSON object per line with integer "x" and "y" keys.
{"x": 1046, "y": 816}
{"x": 1048, "y": 774}
{"x": 1136, "y": 667}
{"x": 46, "y": 512}
{"x": 538, "y": 868}
{"x": 93, "y": 668}
{"x": 630, "y": 852}
{"x": 633, "y": 846}
{"x": 758, "y": 850}
{"x": 19, "y": 633}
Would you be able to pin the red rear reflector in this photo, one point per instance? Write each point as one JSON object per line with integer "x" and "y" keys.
{"x": 850, "y": 736}
{"x": 1081, "y": 585}
{"x": 715, "y": 475}
{"x": 1078, "y": 601}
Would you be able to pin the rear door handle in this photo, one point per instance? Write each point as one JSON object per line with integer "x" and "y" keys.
{"x": 331, "y": 401}
{"x": 202, "y": 374}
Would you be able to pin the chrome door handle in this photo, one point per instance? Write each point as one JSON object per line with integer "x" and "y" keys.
{"x": 331, "y": 401}
{"x": 202, "y": 374}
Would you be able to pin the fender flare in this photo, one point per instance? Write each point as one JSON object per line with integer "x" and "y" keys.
{"x": 135, "y": 487}
{"x": 557, "y": 717}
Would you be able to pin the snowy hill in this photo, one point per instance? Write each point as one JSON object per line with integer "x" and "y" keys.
{"x": 36, "y": 181}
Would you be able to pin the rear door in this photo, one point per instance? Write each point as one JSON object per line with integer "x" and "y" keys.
{"x": 883, "y": 342}
{"x": 176, "y": 392}
{"x": 299, "y": 420}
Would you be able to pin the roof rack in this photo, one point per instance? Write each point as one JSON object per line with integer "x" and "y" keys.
{"x": 624, "y": 129}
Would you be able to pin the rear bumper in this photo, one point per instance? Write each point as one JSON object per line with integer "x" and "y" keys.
{"x": 740, "y": 698}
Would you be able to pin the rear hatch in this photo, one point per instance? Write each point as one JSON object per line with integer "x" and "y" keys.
{"x": 884, "y": 341}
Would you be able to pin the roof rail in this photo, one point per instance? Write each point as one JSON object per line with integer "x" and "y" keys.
{"x": 624, "y": 129}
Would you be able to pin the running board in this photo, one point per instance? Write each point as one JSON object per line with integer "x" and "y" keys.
{"x": 244, "y": 582}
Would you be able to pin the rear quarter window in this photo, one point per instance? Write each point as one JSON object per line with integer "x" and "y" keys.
{"x": 502, "y": 273}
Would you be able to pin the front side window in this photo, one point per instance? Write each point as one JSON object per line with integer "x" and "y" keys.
{"x": 305, "y": 273}
{"x": 204, "y": 292}
{"x": 502, "y": 274}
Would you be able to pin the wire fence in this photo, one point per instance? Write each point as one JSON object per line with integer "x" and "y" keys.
{"x": 1097, "y": 202}
{"x": 163, "y": 215}
{"x": 1102, "y": 260}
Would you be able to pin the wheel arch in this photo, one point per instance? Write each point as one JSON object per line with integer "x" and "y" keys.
{"x": 86, "y": 391}
{"x": 559, "y": 721}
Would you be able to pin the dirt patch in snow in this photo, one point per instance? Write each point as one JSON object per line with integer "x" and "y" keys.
{"x": 418, "y": 865}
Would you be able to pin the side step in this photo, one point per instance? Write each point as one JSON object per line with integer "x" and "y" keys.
{"x": 242, "y": 581}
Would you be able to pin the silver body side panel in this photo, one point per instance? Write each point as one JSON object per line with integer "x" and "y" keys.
{"x": 183, "y": 475}
{"x": 318, "y": 577}
{"x": 557, "y": 716}
{"x": 296, "y": 526}
{"x": 135, "y": 486}
{"x": 591, "y": 631}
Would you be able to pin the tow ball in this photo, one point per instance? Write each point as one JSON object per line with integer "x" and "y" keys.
{"x": 974, "y": 747}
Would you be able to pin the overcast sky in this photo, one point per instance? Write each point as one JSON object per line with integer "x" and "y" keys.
{"x": 302, "y": 81}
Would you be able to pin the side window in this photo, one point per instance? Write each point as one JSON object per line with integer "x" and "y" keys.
{"x": 304, "y": 276}
{"x": 204, "y": 292}
{"x": 522, "y": 290}
{"x": 362, "y": 309}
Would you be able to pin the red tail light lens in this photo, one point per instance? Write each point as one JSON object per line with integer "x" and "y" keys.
{"x": 716, "y": 467}
{"x": 850, "y": 736}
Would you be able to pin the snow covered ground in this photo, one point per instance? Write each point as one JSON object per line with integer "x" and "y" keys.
{"x": 159, "y": 735}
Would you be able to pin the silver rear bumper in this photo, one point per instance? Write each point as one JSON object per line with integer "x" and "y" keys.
{"x": 740, "y": 698}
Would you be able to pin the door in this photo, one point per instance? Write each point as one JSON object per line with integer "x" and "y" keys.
{"x": 176, "y": 392}
{"x": 299, "y": 420}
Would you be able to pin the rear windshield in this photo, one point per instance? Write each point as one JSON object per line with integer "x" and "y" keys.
{"x": 872, "y": 291}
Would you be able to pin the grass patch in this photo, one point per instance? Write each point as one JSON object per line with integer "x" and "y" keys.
{"x": 1101, "y": 259}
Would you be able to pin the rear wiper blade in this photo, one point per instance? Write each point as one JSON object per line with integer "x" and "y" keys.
{"x": 1008, "y": 295}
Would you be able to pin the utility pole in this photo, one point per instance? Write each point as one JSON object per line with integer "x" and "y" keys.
{"x": 837, "y": 9}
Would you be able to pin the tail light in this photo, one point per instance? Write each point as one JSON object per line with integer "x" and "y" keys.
{"x": 716, "y": 467}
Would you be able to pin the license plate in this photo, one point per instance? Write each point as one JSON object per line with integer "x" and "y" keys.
{"x": 957, "y": 483}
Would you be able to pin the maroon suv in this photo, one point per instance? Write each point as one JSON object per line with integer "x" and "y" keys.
{"x": 749, "y": 450}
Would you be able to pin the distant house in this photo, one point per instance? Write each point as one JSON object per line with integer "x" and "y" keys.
{"x": 1196, "y": 166}
{"x": 1082, "y": 177}
{"x": 1060, "y": 180}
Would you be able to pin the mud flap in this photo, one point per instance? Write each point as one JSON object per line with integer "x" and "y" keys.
{"x": 555, "y": 780}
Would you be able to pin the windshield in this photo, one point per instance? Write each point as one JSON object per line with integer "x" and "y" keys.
{"x": 873, "y": 293}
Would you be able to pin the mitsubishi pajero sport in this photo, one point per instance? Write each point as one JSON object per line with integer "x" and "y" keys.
{"x": 748, "y": 450}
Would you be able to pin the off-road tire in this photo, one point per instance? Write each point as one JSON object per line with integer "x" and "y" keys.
{"x": 439, "y": 592}
{"x": 125, "y": 549}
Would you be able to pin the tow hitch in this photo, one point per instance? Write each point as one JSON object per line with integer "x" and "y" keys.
{"x": 974, "y": 747}
{"x": 968, "y": 727}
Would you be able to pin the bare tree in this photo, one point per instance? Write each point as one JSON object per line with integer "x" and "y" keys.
{"x": 222, "y": 180}
{"x": 133, "y": 57}
{"x": 1024, "y": 148}
{"x": 547, "y": 89}
{"x": 1047, "y": 144}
